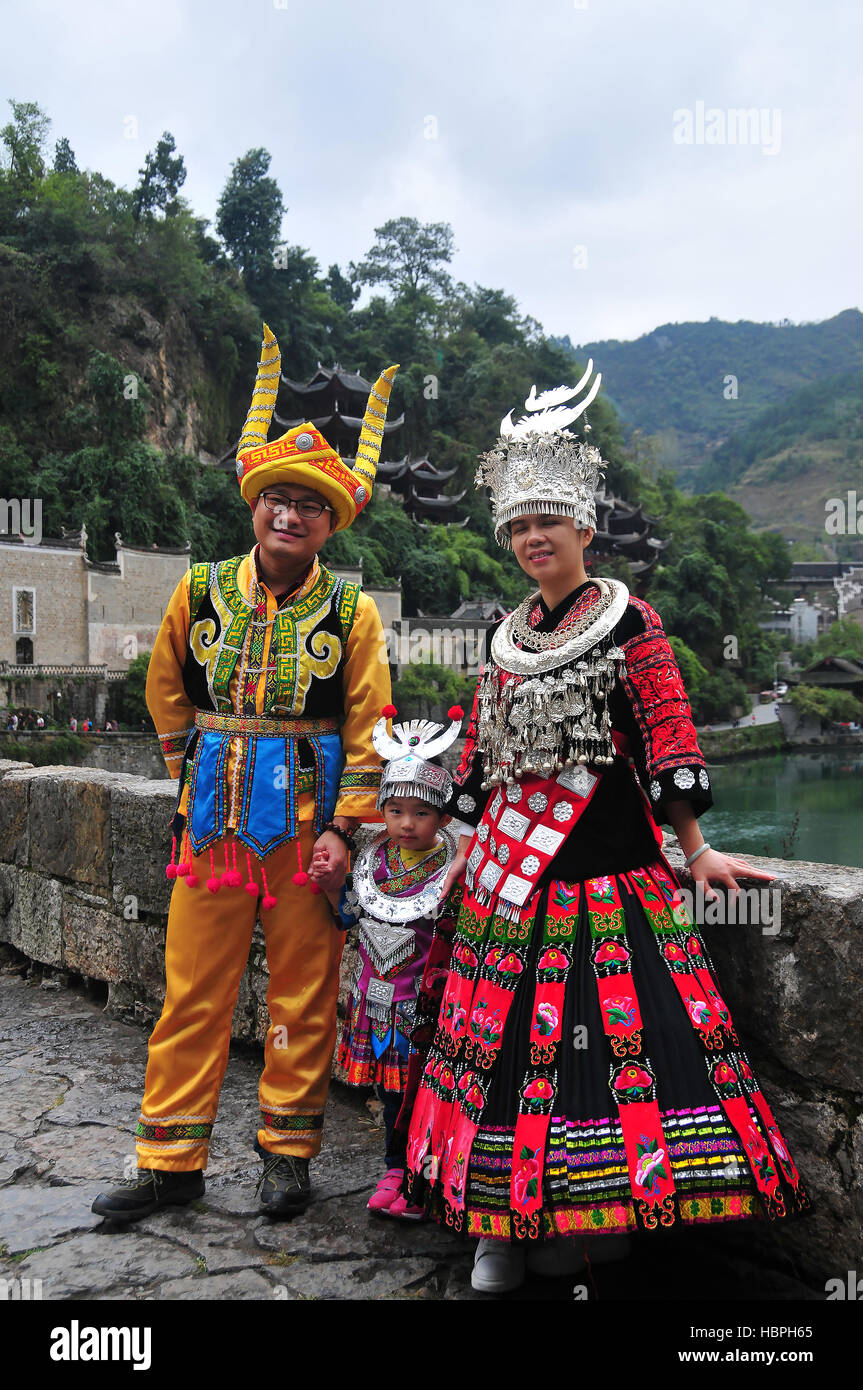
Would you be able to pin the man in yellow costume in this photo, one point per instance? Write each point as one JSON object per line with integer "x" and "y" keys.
{"x": 265, "y": 682}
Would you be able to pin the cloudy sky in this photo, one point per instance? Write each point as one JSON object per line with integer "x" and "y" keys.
{"x": 587, "y": 153}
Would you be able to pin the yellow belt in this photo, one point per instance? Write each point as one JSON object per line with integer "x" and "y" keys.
{"x": 245, "y": 727}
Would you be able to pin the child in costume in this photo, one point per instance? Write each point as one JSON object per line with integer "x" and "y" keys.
{"x": 395, "y": 896}
{"x": 265, "y": 682}
{"x": 585, "y": 1079}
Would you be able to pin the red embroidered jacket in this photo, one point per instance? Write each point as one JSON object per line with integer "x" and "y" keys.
{"x": 650, "y": 707}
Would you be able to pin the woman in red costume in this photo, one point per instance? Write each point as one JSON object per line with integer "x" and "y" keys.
{"x": 585, "y": 1077}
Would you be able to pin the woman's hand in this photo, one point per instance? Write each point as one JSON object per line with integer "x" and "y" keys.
{"x": 711, "y": 866}
{"x": 454, "y": 873}
{"x": 458, "y": 865}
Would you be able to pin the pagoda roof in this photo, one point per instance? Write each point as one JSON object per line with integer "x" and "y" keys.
{"x": 622, "y": 541}
{"x": 426, "y": 471}
{"x": 641, "y": 567}
{"x": 437, "y": 503}
{"x": 427, "y": 525}
{"x": 326, "y": 376}
{"x": 392, "y": 469}
{"x": 321, "y": 422}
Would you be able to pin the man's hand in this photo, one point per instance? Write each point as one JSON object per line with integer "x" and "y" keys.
{"x": 329, "y": 865}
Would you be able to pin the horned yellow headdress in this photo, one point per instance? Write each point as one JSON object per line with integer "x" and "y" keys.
{"x": 303, "y": 455}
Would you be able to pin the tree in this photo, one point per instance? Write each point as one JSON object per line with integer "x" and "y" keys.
{"x": 133, "y": 697}
{"x": 844, "y": 638}
{"x": 408, "y": 258}
{"x": 425, "y": 691}
{"x": 250, "y": 213}
{"x": 161, "y": 178}
{"x": 830, "y": 706}
{"x": 24, "y": 138}
{"x": 341, "y": 290}
{"x": 64, "y": 158}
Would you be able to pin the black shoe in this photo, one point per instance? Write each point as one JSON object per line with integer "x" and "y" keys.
{"x": 285, "y": 1188}
{"x": 151, "y": 1189}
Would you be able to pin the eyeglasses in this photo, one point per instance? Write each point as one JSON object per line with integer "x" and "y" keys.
{"x": 305, "y": 507}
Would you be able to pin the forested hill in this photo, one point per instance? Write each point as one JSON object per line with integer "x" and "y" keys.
{"x": 674, "y": 383}
{"x": 793, "y": 457}
{"x": 129, "y": 332}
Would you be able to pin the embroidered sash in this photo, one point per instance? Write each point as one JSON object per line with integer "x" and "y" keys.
{"x": 520, "y": 833}
{"x": 727, "y": 1067}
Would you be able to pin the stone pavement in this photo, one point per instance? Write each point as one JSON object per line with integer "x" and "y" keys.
{"x": 70, "y": 1084}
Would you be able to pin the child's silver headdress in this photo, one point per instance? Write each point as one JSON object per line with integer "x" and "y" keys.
{"x": 407, "y": 749}
{"x": 536, "y": 466}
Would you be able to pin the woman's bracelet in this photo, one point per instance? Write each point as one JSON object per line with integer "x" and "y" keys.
{"x": 694, "y": 856}
{"x": 342, "y": 834}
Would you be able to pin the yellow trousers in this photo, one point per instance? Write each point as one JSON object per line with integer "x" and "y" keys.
{"x": 207, "y": 947}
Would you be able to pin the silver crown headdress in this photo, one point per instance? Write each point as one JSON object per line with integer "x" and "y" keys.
{"x": 536, "y": 466}
{"x": 407, "y": 771}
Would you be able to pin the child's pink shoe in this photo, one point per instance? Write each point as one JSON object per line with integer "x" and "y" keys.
{"x": 386, "y": 1191}
{"x": 400, "y": 1209}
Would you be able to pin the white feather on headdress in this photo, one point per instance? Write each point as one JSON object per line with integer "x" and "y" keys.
{"x": 554, "y": 415}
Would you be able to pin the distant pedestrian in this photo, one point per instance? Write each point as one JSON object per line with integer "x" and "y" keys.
{"x": 40, "y": 722}
{"x": 73, "y": 724}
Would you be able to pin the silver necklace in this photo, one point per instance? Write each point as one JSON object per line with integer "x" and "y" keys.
{"x": 557, "y": 651}
{"x": 522, "y": 631}
{"x": 392, "y": 909}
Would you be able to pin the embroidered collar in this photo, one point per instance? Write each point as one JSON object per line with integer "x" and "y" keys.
{"x": 252, "y": 587}
{"x": 571, "y": 607}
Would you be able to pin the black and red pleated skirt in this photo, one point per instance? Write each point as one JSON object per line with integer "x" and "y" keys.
{"x": 584, "y": 1075}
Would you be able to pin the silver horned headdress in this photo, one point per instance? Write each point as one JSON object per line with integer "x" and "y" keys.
{"x": 407, "y": 750}
{"x": 537, "y": 466}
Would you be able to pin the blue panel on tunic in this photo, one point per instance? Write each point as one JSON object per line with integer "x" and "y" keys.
{"x": 334, "y": 761}
{"x": 267, "y": 788}
{"x": 204, "y": 812}
{"x": 267, "y": 819}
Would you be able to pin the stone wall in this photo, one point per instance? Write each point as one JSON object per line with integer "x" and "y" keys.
{"x": 59, "y": 577}
{"x": 83, "y": 889}
{"x": 137, "y": 754}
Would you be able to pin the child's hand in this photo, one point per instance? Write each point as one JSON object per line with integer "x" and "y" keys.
{"x": 320, "y": 865}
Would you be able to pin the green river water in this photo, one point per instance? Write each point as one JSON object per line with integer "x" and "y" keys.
{"x": 756, "y": 803}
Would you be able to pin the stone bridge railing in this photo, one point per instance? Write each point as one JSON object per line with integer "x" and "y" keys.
{"x": 83, "y": 890}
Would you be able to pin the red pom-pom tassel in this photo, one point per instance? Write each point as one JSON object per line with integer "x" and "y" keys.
{"x": 232, "y": 878}
{"x": 455, "y": 712}
{"x": 251, "y": 886}
{"x": 300, "y": 878}
{"x": 315, "y": 888}
{"x": 192, "y": 880}
{"x": 268, "y": 902}
{"x": 185, "y": 865}
{"x": 389, "y": 711}
{"x": 213, "y": 882}
{"x": 171, "y": 869}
